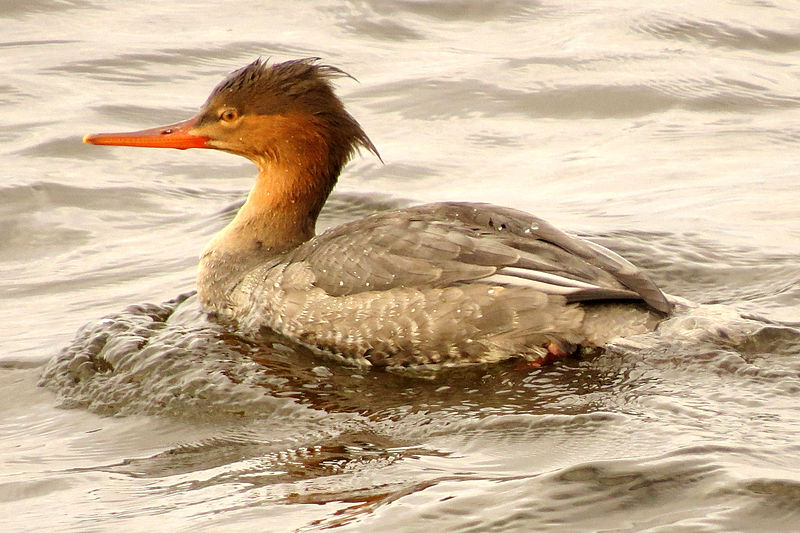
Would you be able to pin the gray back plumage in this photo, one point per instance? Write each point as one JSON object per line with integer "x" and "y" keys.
{"x": 439, "y": 245}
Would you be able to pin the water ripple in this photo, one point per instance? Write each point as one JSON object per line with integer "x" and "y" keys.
{"x": 719, "y": 34}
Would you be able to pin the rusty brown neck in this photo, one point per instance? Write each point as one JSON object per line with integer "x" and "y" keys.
{"x": 280, "y": 213}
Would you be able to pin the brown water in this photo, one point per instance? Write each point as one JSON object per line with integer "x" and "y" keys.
{"x": 669, "y": 133}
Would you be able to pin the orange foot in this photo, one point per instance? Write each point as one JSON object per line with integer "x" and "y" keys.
{"x": 555, "y": 351}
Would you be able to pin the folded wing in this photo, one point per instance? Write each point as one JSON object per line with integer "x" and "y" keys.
{"x": 447, "y": 244}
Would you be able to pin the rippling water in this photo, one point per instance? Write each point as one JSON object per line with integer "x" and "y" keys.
{"x": 667, "y": 132}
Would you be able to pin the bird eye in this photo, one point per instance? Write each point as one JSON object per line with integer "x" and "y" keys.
{"x": 229, "y": 115}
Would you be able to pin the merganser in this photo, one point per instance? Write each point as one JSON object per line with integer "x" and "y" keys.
{"x": 439, "y": 283}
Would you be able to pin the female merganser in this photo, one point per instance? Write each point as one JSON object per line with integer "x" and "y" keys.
{"x": 437, "y": 283}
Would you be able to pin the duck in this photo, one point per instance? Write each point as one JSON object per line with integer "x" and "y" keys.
{"x": 444, "y": 283}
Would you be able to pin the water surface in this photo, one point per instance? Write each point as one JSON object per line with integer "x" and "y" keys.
{"x": 668, "y": 132}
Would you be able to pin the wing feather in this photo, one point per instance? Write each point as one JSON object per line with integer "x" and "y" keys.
{"x": 447, "y": 244}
